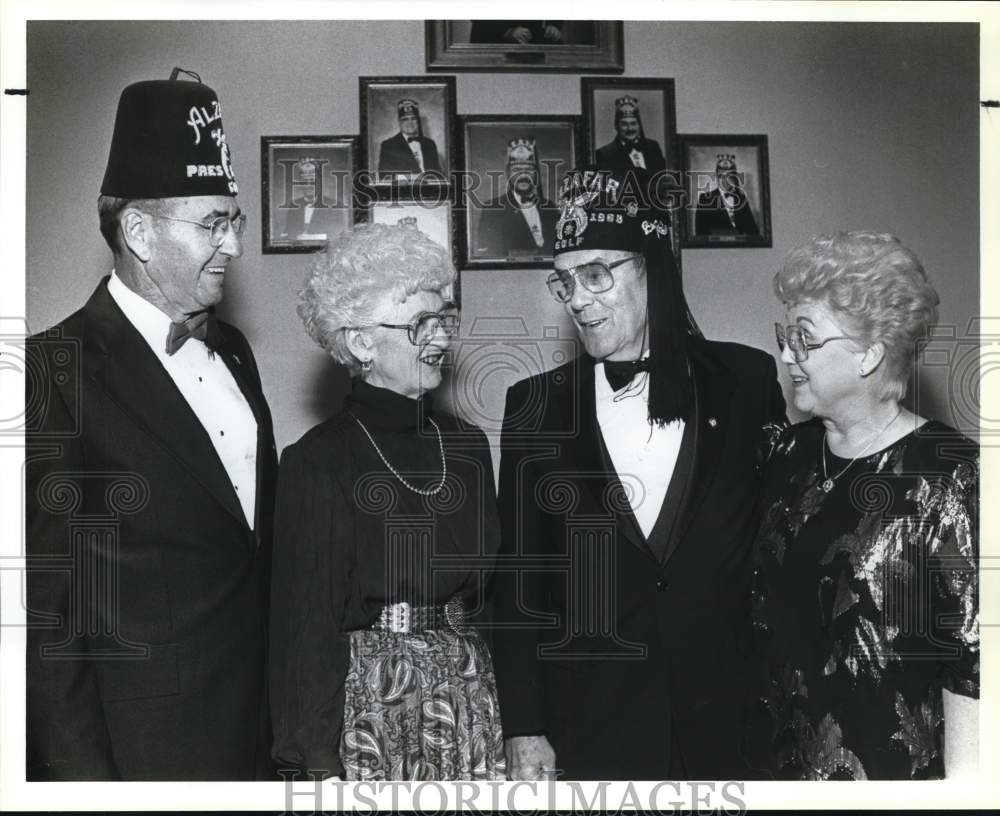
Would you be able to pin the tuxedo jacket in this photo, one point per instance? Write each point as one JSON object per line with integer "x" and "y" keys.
{"x": 613, "y": 156}
{"x": 711, "y": 217}
{"x": 147, "y": 588}
{"x": 626, "y": 652}
{"x": 395, "y": 156}
{"x": 504, "y": 231}
{"x": 292, "y": 221}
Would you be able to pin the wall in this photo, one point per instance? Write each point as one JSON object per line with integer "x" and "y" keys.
{"x": 869, "y": 126}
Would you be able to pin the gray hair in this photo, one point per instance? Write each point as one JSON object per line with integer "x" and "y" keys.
{"x": 347, "y": 283}
{"x": 877, "y": 284}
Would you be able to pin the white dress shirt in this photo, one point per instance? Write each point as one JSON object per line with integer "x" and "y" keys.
{"x": 208, "y": 387}
{"x": 533, "y": 219}
{"x": 643, "y": 453}
{"x": 417, "y": 152}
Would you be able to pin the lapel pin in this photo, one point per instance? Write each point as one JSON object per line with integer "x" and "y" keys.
{"x": 712, "y": 422}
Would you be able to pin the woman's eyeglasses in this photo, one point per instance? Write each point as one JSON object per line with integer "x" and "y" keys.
{"x": 595, "y": 277}
{"x": 792, "y": 337}
{"x": 427, "y": 324}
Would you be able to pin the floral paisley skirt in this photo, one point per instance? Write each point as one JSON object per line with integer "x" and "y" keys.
{"x": 421, "y": 706}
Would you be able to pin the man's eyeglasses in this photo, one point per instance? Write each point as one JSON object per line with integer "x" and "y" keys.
{"x": 426, "y": 324}
{"x": 792, "y": 337}
{"x": 595, "y": 277}
{"x": 218, "y": 229}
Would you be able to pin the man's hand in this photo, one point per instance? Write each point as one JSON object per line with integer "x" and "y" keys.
{"x": 553, "y": 33}
{"x": 518, "y": 34}
{"x": 530, "y": 758}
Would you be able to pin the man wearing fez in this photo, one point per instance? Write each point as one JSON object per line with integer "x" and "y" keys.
{"x": 150, "y": 471}
{"x": 520, "y": 222}
{"x": 725, "y": 209}
{"x": 409, "y": 152}
{"x": 630, "y": 149}
{"x": 628, "y": 478}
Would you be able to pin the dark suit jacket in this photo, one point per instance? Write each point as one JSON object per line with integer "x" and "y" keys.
{"x": 612, "y": 652}
{"x": 493, "y": 31}
{"x": 711, "y": 217}
{"x": 395, "y": 156}
{"x": 504, "y": 231}
{"x": 613, "y": 156}
{"x": 291, "y": 221}
{"x": 147, "y": 589}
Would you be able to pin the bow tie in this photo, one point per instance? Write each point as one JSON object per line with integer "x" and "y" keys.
{"x": 620, "y": 373}
{"x": 201, "y": 326}
{"x": 412, "y": 139}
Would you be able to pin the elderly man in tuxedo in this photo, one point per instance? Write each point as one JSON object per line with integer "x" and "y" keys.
{"x": 409, "y": 152}
{"x": 521, "y": 221}
{"x": 628, "y": 480}
{"x": 150, "y": 472}
{"x": 630, "y": 149}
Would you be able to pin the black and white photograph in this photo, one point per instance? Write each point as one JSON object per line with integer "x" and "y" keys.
{"x": 374, "y": 439}
{"x": 525, "y": 46}
{"x": 514, "y": 165}
{"x": 630, "y": 123}
{"x": 728, "y": 201}
{"x": 306, "y": 190}
{"x": 407, "y": 126}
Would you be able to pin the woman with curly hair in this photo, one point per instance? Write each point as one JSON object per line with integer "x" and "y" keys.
{"x": 866, "y": 604}
{"x": 386, "y": 531}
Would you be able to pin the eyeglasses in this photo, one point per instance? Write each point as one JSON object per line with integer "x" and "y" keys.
{"x": 792, "y": 336}
{"x": 595, "y": 277}
{"x": 426, "y": 324}
{"x": 218, "y": 229}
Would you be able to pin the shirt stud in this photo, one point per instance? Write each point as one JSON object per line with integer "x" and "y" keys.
{"x": 712, "y": 422}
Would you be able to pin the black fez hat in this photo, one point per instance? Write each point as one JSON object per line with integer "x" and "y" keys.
{"x": 169, "y": 142}
{"x": 601, "y": 209}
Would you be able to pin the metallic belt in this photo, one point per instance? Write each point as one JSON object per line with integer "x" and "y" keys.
{"x": 403, "y": 618}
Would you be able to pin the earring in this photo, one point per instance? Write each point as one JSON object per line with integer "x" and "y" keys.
{"x": 366, "y": 365}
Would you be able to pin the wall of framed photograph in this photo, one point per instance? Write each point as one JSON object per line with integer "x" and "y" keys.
{"x": 728, "y": 200}
{"x": 408, "y": 130}
{"x": 306, "y": 190}
{"x": 510, "y": 196}
{"x": 525, "y": 45}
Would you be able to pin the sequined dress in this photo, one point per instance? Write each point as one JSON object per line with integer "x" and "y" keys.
{"x": 865, "y": 606}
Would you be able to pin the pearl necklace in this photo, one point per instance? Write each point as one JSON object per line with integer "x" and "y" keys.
{"x": 422, "y": 491}
{"x": 828, "y": 481}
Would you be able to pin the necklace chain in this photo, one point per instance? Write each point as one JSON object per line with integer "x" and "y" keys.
{"x": 828, "y": 481}
{"x": 422, "y": 491}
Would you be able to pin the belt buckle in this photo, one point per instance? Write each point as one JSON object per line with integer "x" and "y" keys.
{"x": 399, "y": 618}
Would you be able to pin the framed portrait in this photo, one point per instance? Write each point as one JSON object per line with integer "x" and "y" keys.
{"x": 407, "y": 130}
{"x": 727, "y": 190}
{"x": 306, "y": 190}
{"x": 525, "y": 45}
{"x": 514, "y": 165}
{"x": 629, "y": 123}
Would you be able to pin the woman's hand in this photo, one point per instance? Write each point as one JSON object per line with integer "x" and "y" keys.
{"x": 530, "y": 758}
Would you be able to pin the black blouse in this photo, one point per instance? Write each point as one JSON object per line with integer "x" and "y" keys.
{"x": 866, "y": 604}
{"x": 350, "y": 538}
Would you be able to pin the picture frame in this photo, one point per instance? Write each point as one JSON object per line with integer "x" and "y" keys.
{"x": 423, "y": 107}
{"x": 562, "y": 46}
{"x": 741, "y": 162}
{"x": 306, "y": 191}
{"x": 503, "y": 155}
{"x": 614, "y": 108}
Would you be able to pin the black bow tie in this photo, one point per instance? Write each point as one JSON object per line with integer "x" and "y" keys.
{"x": 201, "y": 326}
{"x": 412, "y": 139}
{"x": 621, "y": 372}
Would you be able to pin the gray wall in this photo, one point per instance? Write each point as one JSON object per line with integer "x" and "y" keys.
{"x": 870, "y": 126}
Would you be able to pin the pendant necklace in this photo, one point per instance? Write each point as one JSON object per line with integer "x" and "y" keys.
{"x": 828, "y": 481}
{"x": 422, "y": 491}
